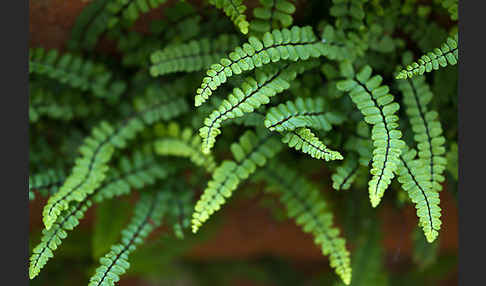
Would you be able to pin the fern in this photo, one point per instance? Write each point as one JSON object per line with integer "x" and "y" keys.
{"x": 235, "y": 10}
{"x": 447, "y": 54}
{"x": 147, "y": 216}
{"x": 274, "y": 14}
{"x": 305, "y": 204}
{"x": 75, "y": 72}
{"x": 349, "y": 14}
{"x": 452, "y": 7}
{"x": 46, "y": 183}
{"x": 426, "y": 127}
{"x": 254, "y": 92}
{"x": 90, "y": 170}
{"x": 137, "y": 172}
{"x": 183, "y": 143}
{"x": 193, "y": 56}
{"x": 378, "y": 108}
{"x": 250, "y": 152}
{"x": 415, "y": 179}
{"x": 295, "y": 44}
{"x": 308, "y": 112}
{"x": 345, "y": 174}
{"x": 303, "y": 139}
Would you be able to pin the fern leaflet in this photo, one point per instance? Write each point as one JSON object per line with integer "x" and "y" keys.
{"x": 235, "y": 10}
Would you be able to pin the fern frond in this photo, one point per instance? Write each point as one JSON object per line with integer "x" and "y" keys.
{"x": 46, "y": 183}
{"x": 447, "y": 54}
{"x": 183, "y": 143}
{"x": 138, "y": 171}
{"x": 179, "y": 216}
{"x": 130, "y": 10}
{"x": 274, "y": 14}
{"x": 415, "y": 180}
{"x": 349, "y": 14}
{"x": 253, "y": 92}
{"x": 378, "y": 108}
{"x": 250, "y": 152}
{"x": 90, "y": 169}
{"x": 294, "y": 44}
{"x": 235, "y": 10}
{"x": 305, "y": 204}
{"x": 452, "y": 8}
{"x": 303, "y": 139}
{"x": 193, "y": 56}
{"x": 147, "y": 216}
{"x": 426, "y": 127}
{"x": 303, "y": 112}
{"x": 76, "y": 72}
{"x": 345, "y": 173}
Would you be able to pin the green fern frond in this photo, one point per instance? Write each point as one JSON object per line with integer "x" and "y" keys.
{"x": 378, "y": 108}
{"x": 274, "y": 14}
{"x": 138, "y": 171}
{"x": 193, "y": 56}
{"x": 90, "y": 169}
{"x": 447, "y": 54}
{"x": 250, "y": 152}
{"x": 130, "y": 10}
{"x": 76, "y": 72}
{"x": 46, "y": 183}
{"x": 303, "y": 139}
{"x": 294, "y": 44}
{"x": 452, "y": 7}
{"x": 349, "y": 14}
{"x": 183, "y": 143}
{"x": 235, "y": 10}
{"x": 253, "y": 92}
{"x": 147, "y": 216}
{"x": 345, "y": 173}
{"x": 415, "y": 180}
{"x": 303, "y": 112}
{"x": 182, "y": 200}
{"x": 305, "y": 204}
{"x": 426, "y": 128}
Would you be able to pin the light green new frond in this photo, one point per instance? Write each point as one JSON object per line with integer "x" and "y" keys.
{"x": 250, "y": 152}
{"x": 138, "y": 171}
{"x": 415, "y": 180}
{"x": 147, "y": 216}
{"x": 294, "y": 44}
{"x": 46, "y": 183}
{"x": 183, "y": 143}
{"x": 303, "y": 139}
{"x": 345, "y": 173}
{"x": 426, "y": 127}
{"x": 447, "y": 54}
{"x": 76, "y": 72}
{"x": 305, "y": 204}
{"x": 193, "y": 56}
{"x": 90, "y": 168}
{"x": 302, "y": 112}
{"x": 274, "y": 14}
{"x": 235, "y": 10}
{"x": 253, "y": 92}
{"x": 378, "y": 108}
{"x": 349, "y": 14}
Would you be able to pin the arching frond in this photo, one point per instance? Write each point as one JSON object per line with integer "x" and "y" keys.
{"x": 447, "y": 54}
{"x": 193, "y": 56}
{"x": 303, "y": 139}
{"x": 306, "y": 205}
{"x": 426, "y": 128}
{"x": 250, "y": 152}
{"x": 345, "y": 173}
{"x": 46, "y": 183}
{"x": 415, "y": 180}
{"x": 76, "y": 72}
{"x": 254, "y": 92}
{"x": 235, "y": 10}
{"x": 147, "y": 216}
{"x": 377, "y": 106}
{"x": 303, "y": 112}
{"x": 294, "y": 44}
